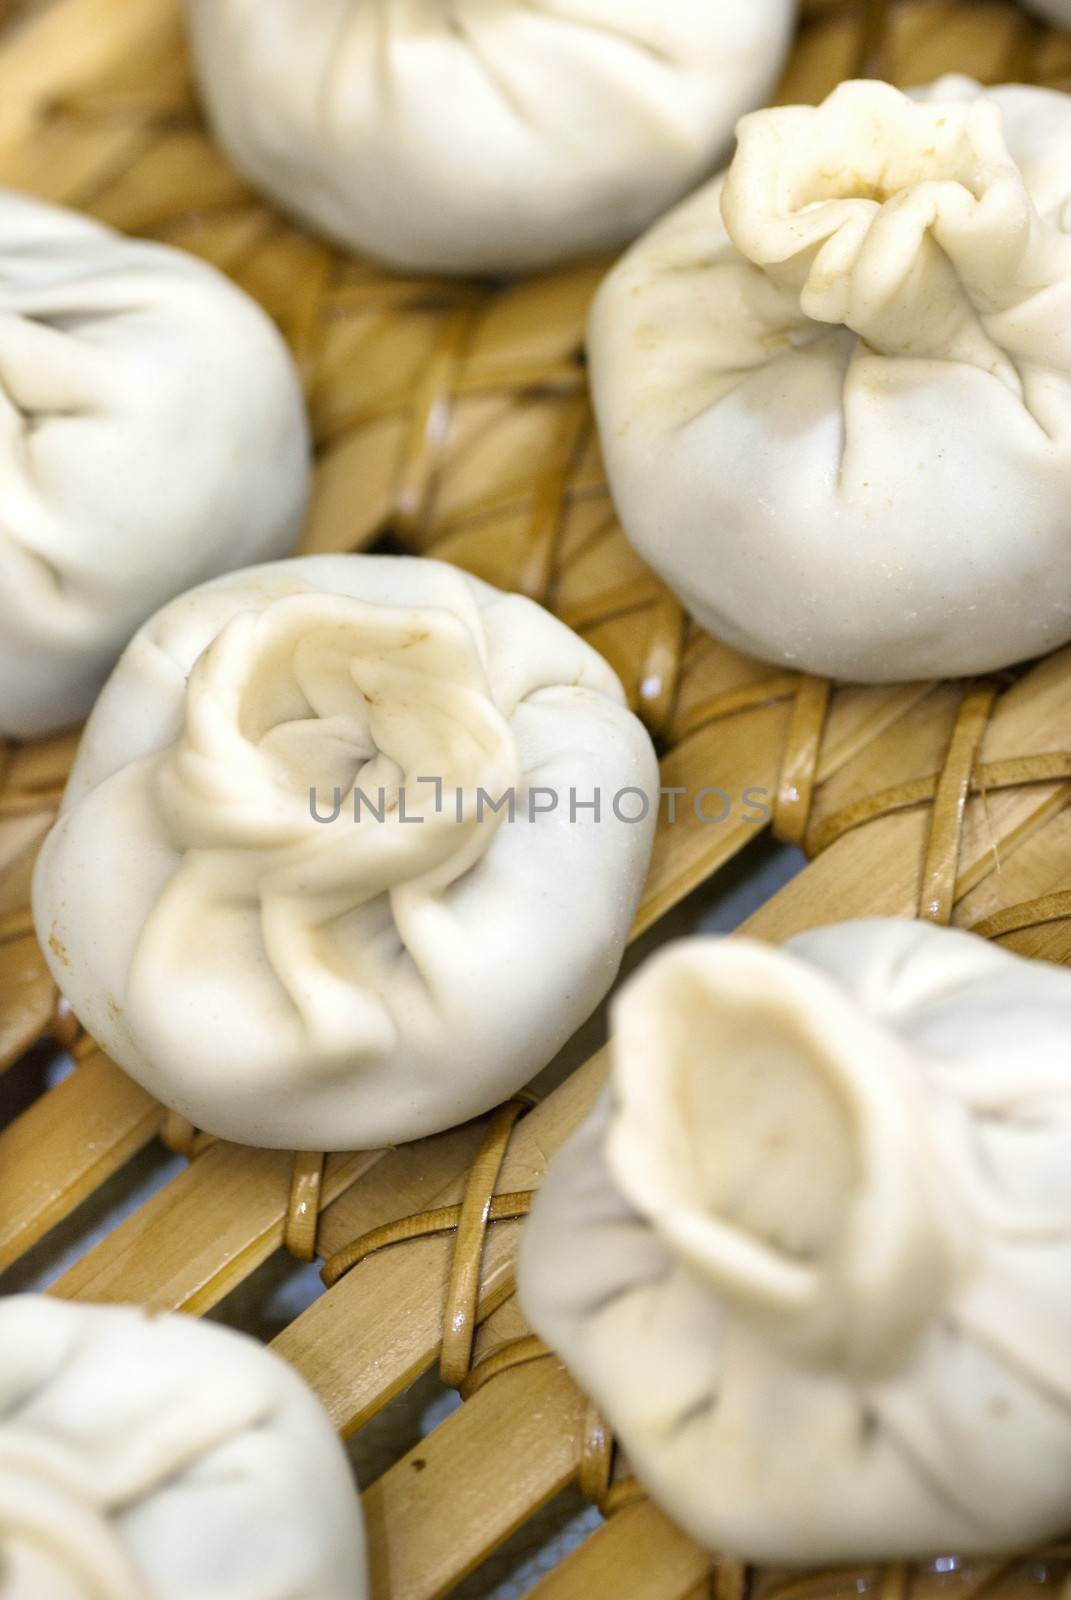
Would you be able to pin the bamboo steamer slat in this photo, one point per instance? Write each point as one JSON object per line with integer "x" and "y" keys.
{"x": 223, "y": 1216}
{"x": 69, "y": 1141}
{"x": 455, "y": 417}
{"x": 638, "y": 1553}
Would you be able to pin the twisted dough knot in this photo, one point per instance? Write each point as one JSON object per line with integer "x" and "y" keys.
{"x": 334, "y": 752}
{"x": 916, "y": 240}
{"x": 779, "y": 1140}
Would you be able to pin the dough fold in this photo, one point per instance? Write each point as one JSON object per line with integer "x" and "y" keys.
{"x": 811, "y": 1254}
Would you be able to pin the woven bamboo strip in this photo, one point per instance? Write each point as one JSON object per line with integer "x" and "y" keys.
{"x": 432, "y": 1524}
{"x": 381, "y": 1325}
{"x": 29, "y": 996}
{"x": 747, "y": 751}
{"x": 639, "y": 1553}
{"x": 877, "y": 870}
{"x": 1028, "y": 882}
{"x": 306, "y": 1197}
{"x": 66, "y": 1144}
{"x": 540, "y": 1434}
{"x": 66, "y": 48}
{"x": 34, "y": 774}
{"x": 31, "y": 781}
{"x": 221, "y": 1217}
{"x": 209, "y": 1249}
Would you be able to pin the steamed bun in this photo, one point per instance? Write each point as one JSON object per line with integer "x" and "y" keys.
{"x": 152, "y": 435}
{"x": 157, "y": 1458}
{"x": 834, "y": 387}
{"x": 482, "y": 135}
{"x": 812, "y": 1254}
{"x": 327, "y": 873}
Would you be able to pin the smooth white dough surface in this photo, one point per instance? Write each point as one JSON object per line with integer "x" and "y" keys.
{"x": 311, "y": 984}
{"x": 811, "y": 1255}
{"x": 834, "y": 387}
{"x": 152, "y": 435}
{"x": 148, "y": 1457}
{"x": 482, "y": 135}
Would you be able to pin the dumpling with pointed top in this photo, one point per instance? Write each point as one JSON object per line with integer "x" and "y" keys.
{"x": 834, "y": 386}
{"x": 811, "y": 1255}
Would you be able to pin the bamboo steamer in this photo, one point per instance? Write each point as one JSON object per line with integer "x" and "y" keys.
{"x": 452, "y": 419}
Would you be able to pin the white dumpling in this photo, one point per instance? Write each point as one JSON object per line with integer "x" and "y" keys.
{"x": 152, "y": 435}
{"x": 812, "y": 1253}
{"x": 482, "y": 135}
{"x": 332, "y": 983}
{"x": 834, "y": 387}
{"x": 147, "y": 1457}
